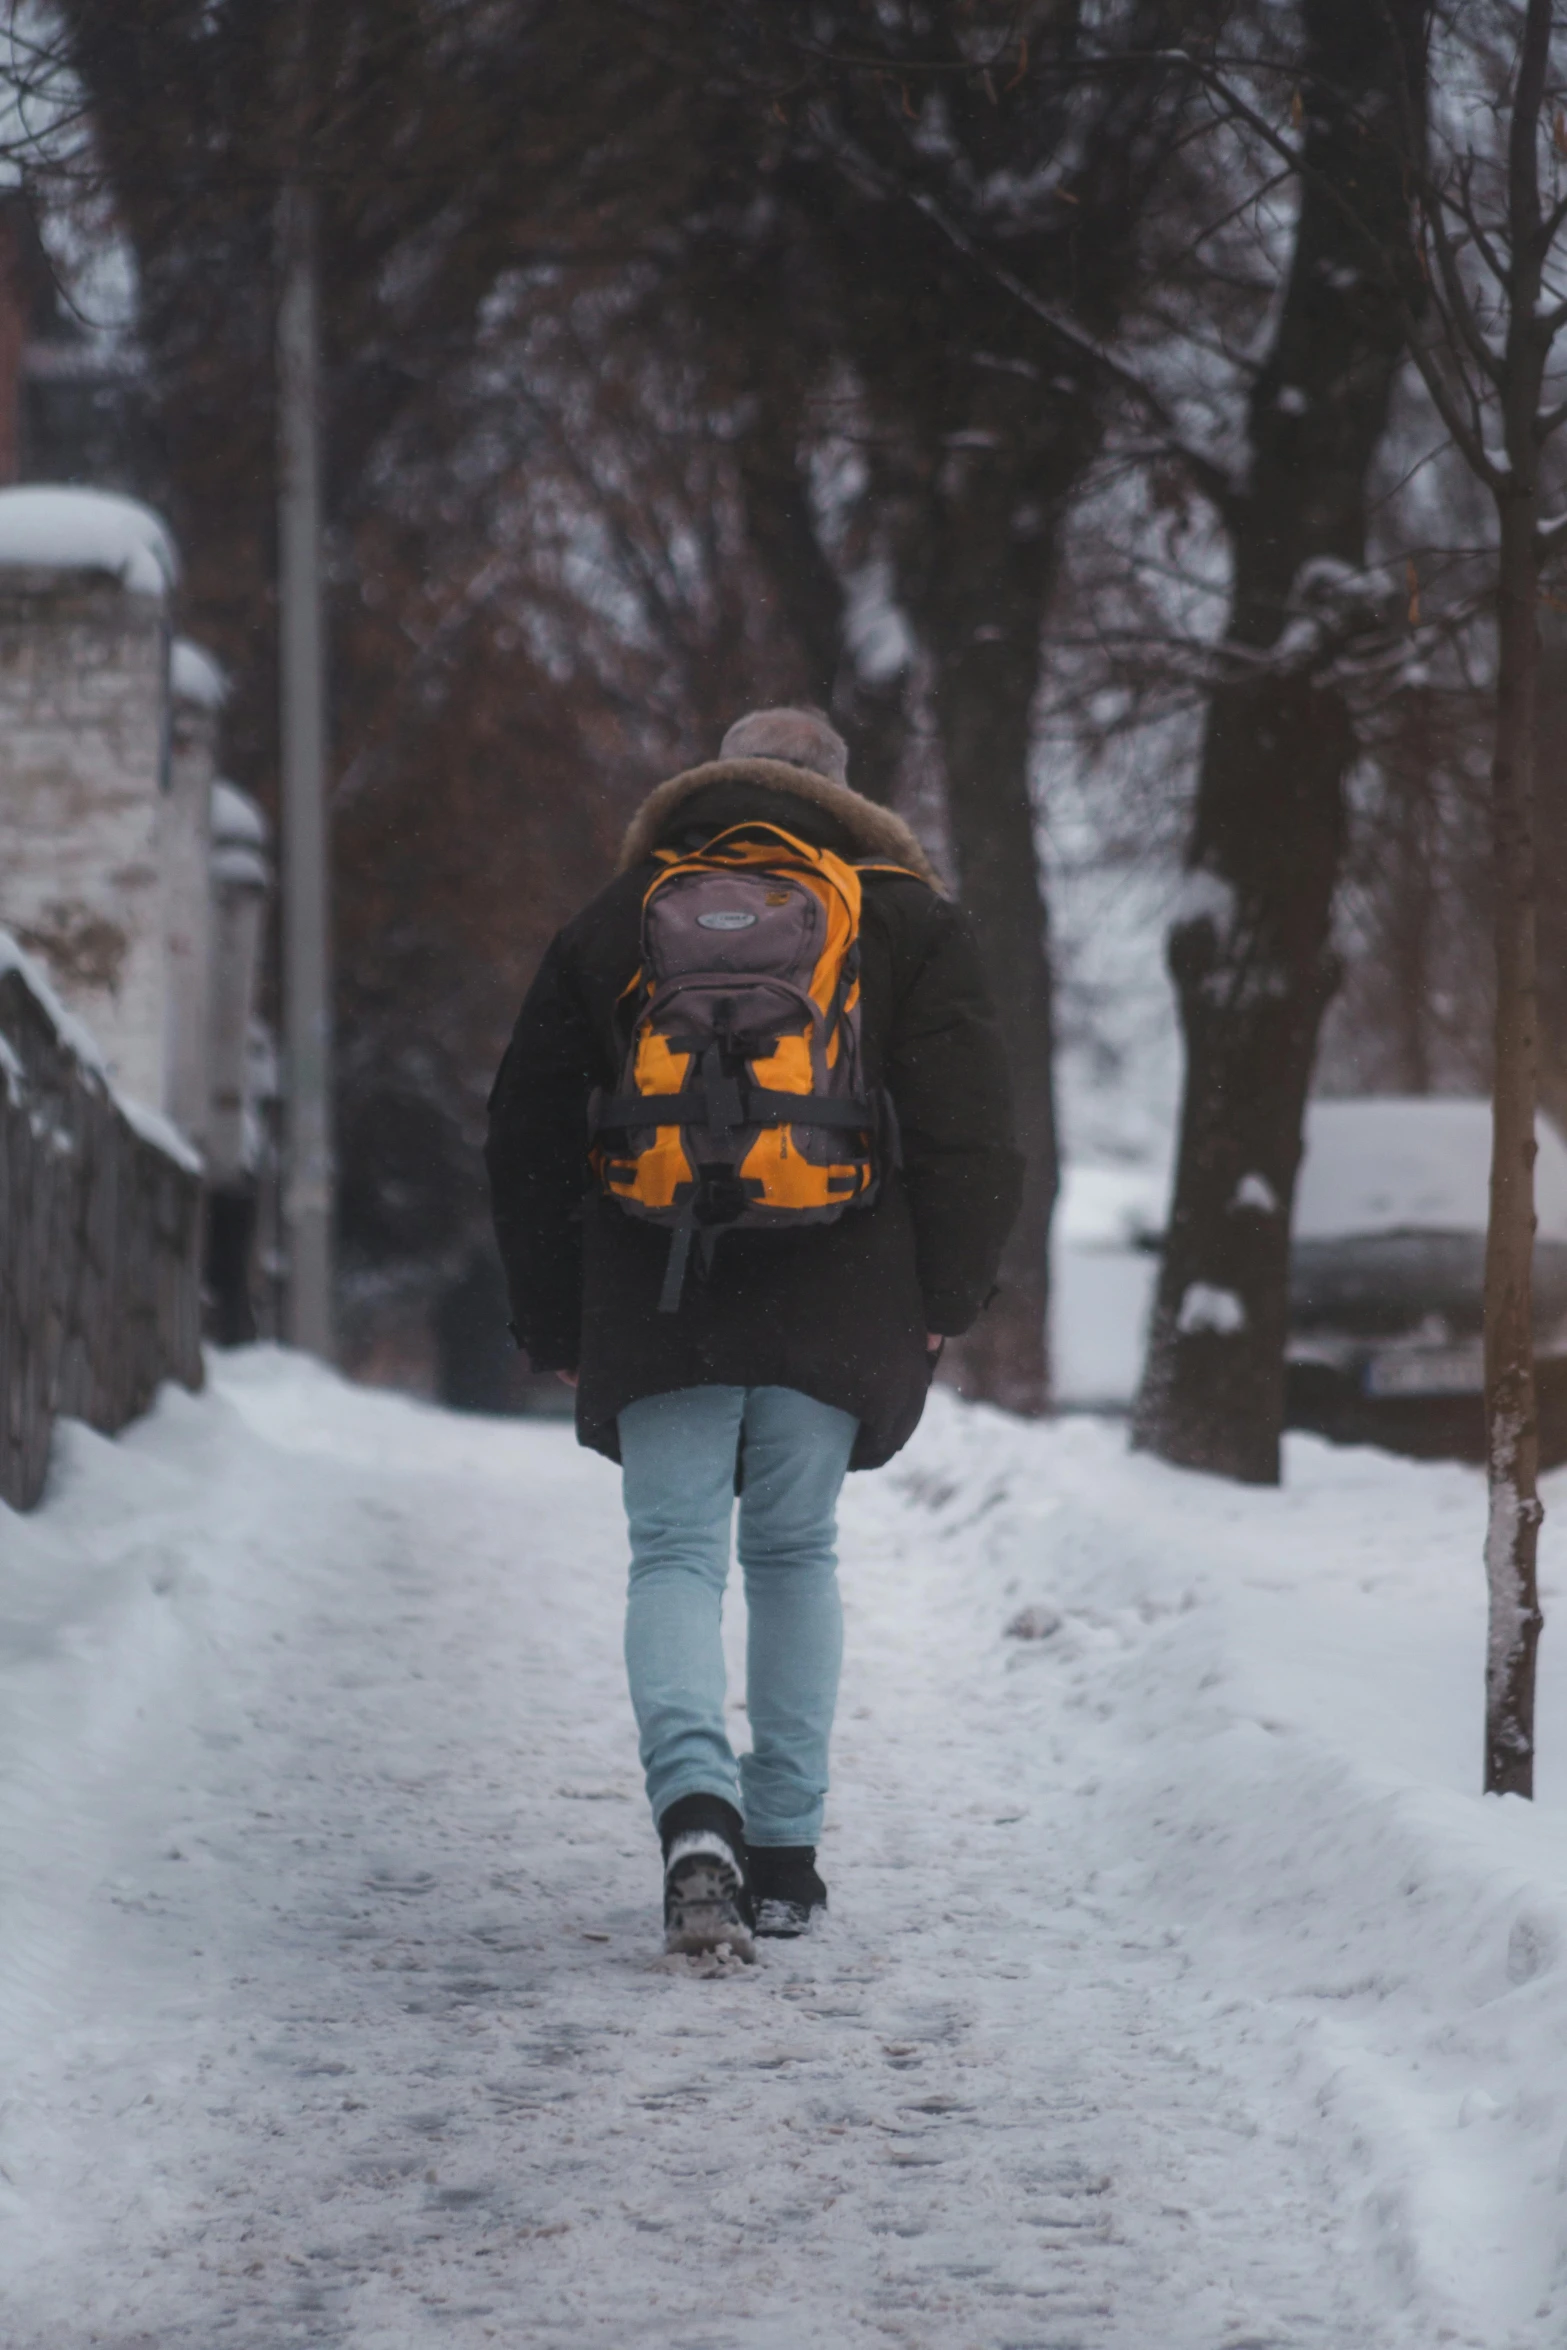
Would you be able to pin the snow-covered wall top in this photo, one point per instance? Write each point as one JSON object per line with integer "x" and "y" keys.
{"x": 77, "y": 1040}
{"x": 1397, "y": 1164}
{"x": 47, "y": 529}
{"x": 194, "y": 676}
{"x": 74, "y": 1034}
{"x": 237, "y": 822}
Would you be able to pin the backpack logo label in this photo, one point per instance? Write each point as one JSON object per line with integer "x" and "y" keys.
{"x": 726, "y": 921}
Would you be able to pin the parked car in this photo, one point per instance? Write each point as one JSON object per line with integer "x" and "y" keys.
{"x": 1387, "y": 1272}
{"x": 1104, "y": 1263}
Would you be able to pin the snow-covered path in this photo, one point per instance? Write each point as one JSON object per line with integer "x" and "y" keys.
{"x": 333, "y": 2012}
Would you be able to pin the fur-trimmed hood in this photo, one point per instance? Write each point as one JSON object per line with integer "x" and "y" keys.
{"x": 877, "y": 832}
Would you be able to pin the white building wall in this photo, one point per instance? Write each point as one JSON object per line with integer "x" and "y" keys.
{"x": 84, "y": 768}
{"x": 186, "y": 855}
{"x": 241, "y": 876}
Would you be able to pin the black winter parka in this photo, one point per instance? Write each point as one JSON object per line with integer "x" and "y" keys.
{"x": 839, "y": 1311}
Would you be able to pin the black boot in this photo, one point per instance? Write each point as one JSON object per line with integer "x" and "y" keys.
{"x": 706, "y": 1904}
{"x": 786, "y": 1892}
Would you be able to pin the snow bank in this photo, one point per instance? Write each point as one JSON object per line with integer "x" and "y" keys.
{"x": 97, "y": 1657}
{"x": 47, "y": 529}
{"x": 1391, "y": 1164}
{"x": 1274, "y": 1701}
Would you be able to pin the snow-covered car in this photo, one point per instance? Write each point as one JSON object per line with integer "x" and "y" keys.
{"x": 1104, "y": 1264}
{"x": 1387, "y": 1268}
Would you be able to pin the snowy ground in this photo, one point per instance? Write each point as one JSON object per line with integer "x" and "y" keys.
{"x": 1179, "y": 1993}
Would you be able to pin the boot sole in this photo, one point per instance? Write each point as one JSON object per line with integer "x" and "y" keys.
{"x": 785, "y": 1921}
{"x": 702, "y": 1910}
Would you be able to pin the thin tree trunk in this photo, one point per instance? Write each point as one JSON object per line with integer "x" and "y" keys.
{"x": 1252, "y": 963}
{"x": 1550, "y": 840}
{"x": 1512, "y": 1420}
{"x": 1412, "y": 914}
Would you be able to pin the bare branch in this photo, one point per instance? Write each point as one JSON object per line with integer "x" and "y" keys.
{"x": 1523, "y": 156}
{"x": 1458, "y": 315}
{"x": 1209, "y": 476}
{"x": 1465, "y": 438}
{"x": 1463, "y": 206}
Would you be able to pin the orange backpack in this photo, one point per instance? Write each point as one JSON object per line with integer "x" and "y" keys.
{"x": 742, "y": 1102}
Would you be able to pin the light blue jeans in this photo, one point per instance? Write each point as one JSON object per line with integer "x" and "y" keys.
{"x": 678, "y": 1453}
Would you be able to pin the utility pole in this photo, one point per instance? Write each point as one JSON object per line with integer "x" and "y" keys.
{"x": 307, "y": 968}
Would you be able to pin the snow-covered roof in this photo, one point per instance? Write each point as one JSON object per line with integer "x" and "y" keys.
{"x": 237, "y": 822}
{"x": 1422, "y": 1163}
{"x": 194, "y": 676}
{"x": 43, "y": 528}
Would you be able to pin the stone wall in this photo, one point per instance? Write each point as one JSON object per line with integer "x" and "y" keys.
{"x": 100, "y": 1222}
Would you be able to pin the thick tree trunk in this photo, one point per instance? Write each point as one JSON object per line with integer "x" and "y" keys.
{"x": 808, "y": 598}
{"x": 986, "y": 414}
{"x": 1252, "y": 964}
{"x": 986, "y": 678}
{"x": 1253, "y": 977}
{"x": 975, "y": 574}
{"x": 779, "y": 354}
{"x": 975, "y": 586}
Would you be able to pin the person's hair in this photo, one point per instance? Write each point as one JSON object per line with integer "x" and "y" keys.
{"x": 800, "y": 736}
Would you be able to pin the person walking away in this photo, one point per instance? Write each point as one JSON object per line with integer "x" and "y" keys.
{"x": 751, "y": 1160}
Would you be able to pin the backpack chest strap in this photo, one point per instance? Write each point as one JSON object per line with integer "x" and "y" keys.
{"x": 759, "y": 1105}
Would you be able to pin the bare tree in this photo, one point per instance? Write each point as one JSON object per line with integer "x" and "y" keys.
{"x": 977, "y": 186}
{"x": 1252, "y": 960}
{"x": 1481, "y": 325}
{"x": 1497, "y": 306}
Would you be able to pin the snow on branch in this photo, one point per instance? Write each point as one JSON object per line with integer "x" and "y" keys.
{"x": 1219, "y": 1312}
